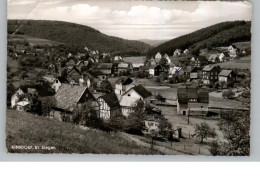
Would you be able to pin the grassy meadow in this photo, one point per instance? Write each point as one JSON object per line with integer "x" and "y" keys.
{"x": 59, "y": 137}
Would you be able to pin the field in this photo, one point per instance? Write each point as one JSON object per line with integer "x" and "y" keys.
{"x": 32, "y": 40}
{"x": 58, "y": 137}
{"x": 243, "y": 45}
{"x": 140, "y": 59}
{"x": 241, "y": 63}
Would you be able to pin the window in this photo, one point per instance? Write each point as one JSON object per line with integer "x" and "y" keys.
{"x": 201, "y": 107}
{"x": 129, "y": 95}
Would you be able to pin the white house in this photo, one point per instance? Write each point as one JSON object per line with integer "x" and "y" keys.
{"x": 158, "y": 56}
{"x": 122, "y": 85}
{"x": 22, "y": 105}
{"x": 15, "y": 97}
{"x": 131, "y": 98}
{"x": 177, "y": 52}
{"x": 174, "y": 70}
{"x": 186, "y": 51}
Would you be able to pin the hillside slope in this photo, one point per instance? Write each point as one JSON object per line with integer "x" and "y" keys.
{"x": 77, "y": 35}
{"x": 222, "y": 34}
{"x": 29, "y": 130}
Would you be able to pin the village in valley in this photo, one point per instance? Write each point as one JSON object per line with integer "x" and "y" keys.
{"x": 162, "y": 102}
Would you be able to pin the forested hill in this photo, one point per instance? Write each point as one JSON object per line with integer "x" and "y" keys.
{"x": 77, "y": 35}
{"x": 222, "y": 34}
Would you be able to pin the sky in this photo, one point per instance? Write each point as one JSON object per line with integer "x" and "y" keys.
{"x": 134, "y": 20}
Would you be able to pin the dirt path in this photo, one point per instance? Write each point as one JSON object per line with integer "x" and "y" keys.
{"x": 157, "y": 147}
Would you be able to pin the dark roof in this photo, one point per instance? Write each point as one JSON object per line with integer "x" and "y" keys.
{"x": 105, "y": 66}
{"x": 111, "y": 100}
{"x": 124, "y": 80}
{"x": 63, "y": 80}
{"x": 68, "y": 96}
{"x": 202, "y": 58}
{"x": 142, "y": 91}
{"x": 186, "y": 93}
{"x": 75, "y": 74}
{"x": 195, "y": 69}
{"x": 225, "y": 73}
{"x": 155, "y": 66}
{"x": 43, "y": 89}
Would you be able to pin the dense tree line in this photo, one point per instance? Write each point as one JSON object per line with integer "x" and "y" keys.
{"x": 85, "y": 36}
{"x": 222, "y": 34}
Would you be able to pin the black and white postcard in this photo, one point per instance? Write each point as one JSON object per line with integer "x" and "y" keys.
{"x": 128, "y": 77}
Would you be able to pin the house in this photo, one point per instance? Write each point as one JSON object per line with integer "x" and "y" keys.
{"x": 49, "y": 78}
{"x": 124, "y": 67}
{"x": 186, "y": 51}
{"x": 15, "y": 97}
{"x": 209, "y": 74}
{"x": 118, "y": 59}
{"x": 192, "y": 101}
{"x": 175, "y": 70}
{"x": 151, "y": 124}
{"x": 214, "y": 58}
{"x": 144, "y": 68}
{"x": 155, "y": 70}
{"x": 43, "y": 89}
{"x": 122, "y": 85}
{"x": 194, "y": 73}
{"x": 130, "y": 98}
{"x": 199, "y": 61}
{"x": 233, "y": 51}
{"x": 177, "y": 52}
{"x": 58, "y": 82}
{"x": 108, "y": 106}
{"x": 115, "y": 68}
{"x": 73, "y": 76}
{"x": 158, "y": 57}
{"x": 232, "y": 48}
{"x": 136, "y": 66}
{"x": 68, "y": 97}
{"x": 22, "y": 105}
{"x": 223, "y": 57}
{"x": 106, "y": 68}
{"x": 226, "y": 77}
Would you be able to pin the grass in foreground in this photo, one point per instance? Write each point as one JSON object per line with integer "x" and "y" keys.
{"x": 29, "y": 130}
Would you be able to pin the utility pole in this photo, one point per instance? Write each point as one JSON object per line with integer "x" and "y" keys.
{"x": 189, "y": 116}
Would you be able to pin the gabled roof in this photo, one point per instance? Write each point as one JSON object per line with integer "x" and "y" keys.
{"x": 208, "y": 68}
{"x": 68, "y": 96}
{"x": 225, "y": 73}
{"x": 124, "y": 81}
{"x": 137, "y": 65}
{"x": 123, "y": 65}
{"x": 63, "y": 80}
{"x": 141, "y": 91}
{"x": 195, "y": 69}
{"x": 186, "y": 93}
{"x": 105, "y": 66}
{"x": 111, "y": 100}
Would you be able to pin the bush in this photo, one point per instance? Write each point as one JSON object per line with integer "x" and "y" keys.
{"x": 228, "y": 94}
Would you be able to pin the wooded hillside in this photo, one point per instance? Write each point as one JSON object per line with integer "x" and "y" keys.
{"x": 77, "y": 35}
{"x": 222, "y": 34}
